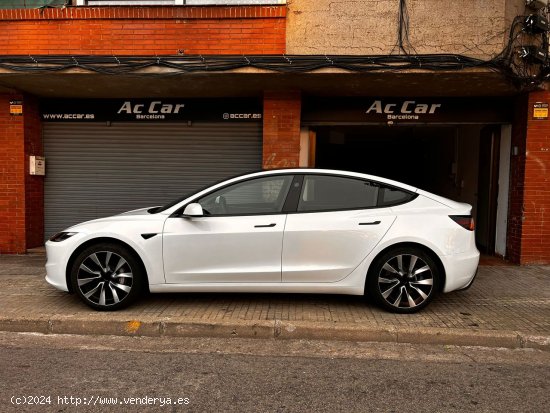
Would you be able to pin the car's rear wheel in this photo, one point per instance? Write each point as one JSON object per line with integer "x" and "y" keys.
{"x": 107, "y": 276}
{"x": 403, "y": 280}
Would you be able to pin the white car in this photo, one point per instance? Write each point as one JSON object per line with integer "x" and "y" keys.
{"x": 280, "y": 231}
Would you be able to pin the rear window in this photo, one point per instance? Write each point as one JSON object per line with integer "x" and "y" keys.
{"x": 330, "y": 193}
{"x": 333, "y": 193}
{"x": 392, "y": 196}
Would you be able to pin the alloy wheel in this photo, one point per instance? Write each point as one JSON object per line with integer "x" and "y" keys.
{"x": 105, "y": 278}
{"x": 405, "y": 281}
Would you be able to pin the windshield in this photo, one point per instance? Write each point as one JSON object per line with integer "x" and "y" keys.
{"x": 169, "y": 205}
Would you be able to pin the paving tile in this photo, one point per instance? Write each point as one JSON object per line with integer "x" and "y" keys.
{"x": 509, "y": 298}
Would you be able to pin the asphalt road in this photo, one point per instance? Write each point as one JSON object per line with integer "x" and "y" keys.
{"x": 237, "y": 375}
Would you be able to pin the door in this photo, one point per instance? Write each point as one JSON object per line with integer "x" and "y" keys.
{"x": 487, "y": 193}
{"x": 503, "y": 190}
{"x": 337, "y": 224}
{"x": 238, "y": 240}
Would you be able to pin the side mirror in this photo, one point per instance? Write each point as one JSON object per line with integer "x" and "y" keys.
{"x": 193, "y": 210}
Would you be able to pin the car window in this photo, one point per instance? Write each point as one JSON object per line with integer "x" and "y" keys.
{"x": 393, "y": 196}
{"x": 257, "y": 196}
{"x": 329, "y": 193}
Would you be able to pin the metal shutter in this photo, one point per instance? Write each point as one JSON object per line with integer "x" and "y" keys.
{"x": 95, "y": 170}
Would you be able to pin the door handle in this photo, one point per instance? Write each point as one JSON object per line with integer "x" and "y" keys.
{"x": 265, "y": 226}
{"x": 370, "y": 223}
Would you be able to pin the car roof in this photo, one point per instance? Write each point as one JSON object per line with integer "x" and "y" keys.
{"x": 331, "y": 172}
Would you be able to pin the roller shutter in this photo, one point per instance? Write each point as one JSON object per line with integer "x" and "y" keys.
{"x": 96, "y": 170}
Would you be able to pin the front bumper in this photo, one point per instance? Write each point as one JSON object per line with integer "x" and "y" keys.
{"x": 58, "y": 254}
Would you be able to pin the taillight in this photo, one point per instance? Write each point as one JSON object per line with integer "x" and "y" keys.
{"x": 465, "y": 221}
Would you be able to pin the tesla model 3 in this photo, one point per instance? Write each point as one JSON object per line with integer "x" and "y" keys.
{"x": 280, "y": 231}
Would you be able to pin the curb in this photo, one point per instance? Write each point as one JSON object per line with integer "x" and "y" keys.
{"x": 277, "y": 329}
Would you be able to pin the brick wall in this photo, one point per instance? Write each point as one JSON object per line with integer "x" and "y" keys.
{"x": 535, "y": 246}
{"x": 144, "y": 30}
{"x": 12, "y": 179}
{"x": 21, "y": 195}
{"x": 34, "y": 184}
{"x": 281, "y": 144}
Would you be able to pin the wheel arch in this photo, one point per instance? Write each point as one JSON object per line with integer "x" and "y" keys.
{"x": 100, "y": 240}
{"x": 424, "y": 248}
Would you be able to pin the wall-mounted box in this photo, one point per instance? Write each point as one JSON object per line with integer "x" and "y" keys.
{"x": 37, "y": 165}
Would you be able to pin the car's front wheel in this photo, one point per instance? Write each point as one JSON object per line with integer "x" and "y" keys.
{"x": 403, "y": 280}
{"x": 107, "y": 276}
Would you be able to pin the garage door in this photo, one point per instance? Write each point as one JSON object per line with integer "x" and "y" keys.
{"x": 95, "y": 170}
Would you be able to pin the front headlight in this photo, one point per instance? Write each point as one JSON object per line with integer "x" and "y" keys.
{"x": 62, "y": 236}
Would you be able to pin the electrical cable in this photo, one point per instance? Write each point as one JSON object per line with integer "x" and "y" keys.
{"x": 507, "y": 62}
{"x": 211, "y": 63}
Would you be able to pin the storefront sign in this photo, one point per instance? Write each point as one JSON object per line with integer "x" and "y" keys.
{"x": 406, "y": 110}
{"x": 540, "y": 111}
{"x": 16, "y": 107}
{"x": 122, "y": 110}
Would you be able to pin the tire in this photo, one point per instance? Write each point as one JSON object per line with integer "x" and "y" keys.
{"x": 403, "y": 280}
{"x": 107, "y": 276}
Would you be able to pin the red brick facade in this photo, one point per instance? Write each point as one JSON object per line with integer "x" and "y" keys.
{"x": 21, "y": 195}
{"x": 535, "y": 236}
{"x": 281, "y": 145}
{"x": 144, "y": 30}
{"x": 34, "y": 184}
{"x": 529, "y": 216}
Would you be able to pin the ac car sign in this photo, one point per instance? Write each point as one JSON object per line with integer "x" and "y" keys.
{"x": 417, "y": 109}
{"x": 159, "y": 109}
{"x": 153, "y": 108}
{"x": 406, "y": 110}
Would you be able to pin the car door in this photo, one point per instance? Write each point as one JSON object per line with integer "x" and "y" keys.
{"x": 238, "y": 240}
{"x": 336, "y": 225}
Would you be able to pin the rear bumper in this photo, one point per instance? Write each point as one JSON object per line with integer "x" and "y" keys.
{"x": 460, "y": 270}
{"x": 470, "y": 283}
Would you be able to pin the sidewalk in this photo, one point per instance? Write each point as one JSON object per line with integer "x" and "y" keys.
{"x": 507, "y": 306}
